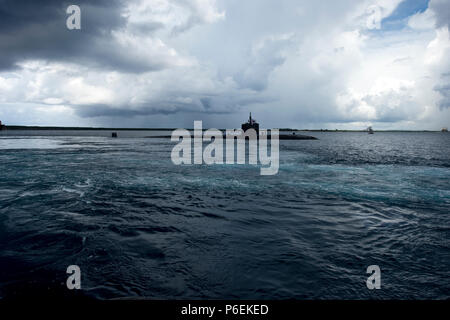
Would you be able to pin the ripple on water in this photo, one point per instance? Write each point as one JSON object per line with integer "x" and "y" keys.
{"x": 139, "y": 226}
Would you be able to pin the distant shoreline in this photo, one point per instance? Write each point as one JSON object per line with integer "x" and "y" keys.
{"x": 5, "y": 127}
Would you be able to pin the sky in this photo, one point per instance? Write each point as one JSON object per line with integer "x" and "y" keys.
{"x": 345, "y": 64}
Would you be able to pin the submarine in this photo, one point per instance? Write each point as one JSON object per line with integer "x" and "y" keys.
{"x": 252, "y": 124}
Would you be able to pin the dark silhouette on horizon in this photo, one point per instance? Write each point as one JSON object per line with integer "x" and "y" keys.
{"x": 250, "y": 124}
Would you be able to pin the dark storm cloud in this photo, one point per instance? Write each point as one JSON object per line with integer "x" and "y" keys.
{"x": 37, "y": 30}
{"x": 147, "y": 27}
{"x": 206, "y": 104}
{"x": 441, "y": 10}
{"x": 312, "y": 65}
{"x": 263, "y": 61}
{"x": 101, "y": 110}
{"x": 444, "y": 90}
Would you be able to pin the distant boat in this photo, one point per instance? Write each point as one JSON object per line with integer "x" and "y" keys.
{"x": 444, "y": 130}
{"x": 369, "y": 130}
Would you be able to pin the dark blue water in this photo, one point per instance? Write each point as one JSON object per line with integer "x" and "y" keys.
{"x": 137, "y": 225}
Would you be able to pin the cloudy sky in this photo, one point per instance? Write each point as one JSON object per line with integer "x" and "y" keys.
{"x": 165, "y": 63}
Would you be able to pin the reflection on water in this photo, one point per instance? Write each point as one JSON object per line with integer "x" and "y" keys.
{"x": 31, "y": 143}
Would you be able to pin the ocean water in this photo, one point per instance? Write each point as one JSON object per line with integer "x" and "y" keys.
{"x": 139, "y": 226}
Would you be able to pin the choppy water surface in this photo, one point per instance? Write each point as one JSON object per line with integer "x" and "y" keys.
{"x": 137, "y": 225}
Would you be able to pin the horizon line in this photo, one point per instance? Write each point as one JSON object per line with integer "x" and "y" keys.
{"x": 37, "y": 127}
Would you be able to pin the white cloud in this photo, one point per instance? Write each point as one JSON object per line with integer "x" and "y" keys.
{"x": 172, "y": 15}
{"x": 422, "y": 20}
{"x": 377, "y": 10}
{"x": 299, "y": 67}
{"x": 368, "y": 14}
